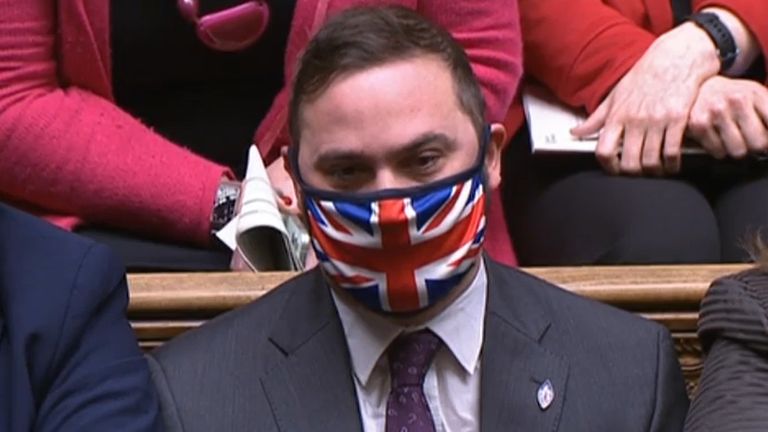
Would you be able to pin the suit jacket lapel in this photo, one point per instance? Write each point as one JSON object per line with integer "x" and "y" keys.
{"x": 310, "y": 385}
{"x": 514, "y": 363}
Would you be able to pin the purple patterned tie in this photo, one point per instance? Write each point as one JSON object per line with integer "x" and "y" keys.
{"x": 409, "y": 358}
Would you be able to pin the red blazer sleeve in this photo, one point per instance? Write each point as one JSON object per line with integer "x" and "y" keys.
{"x": 579, "y": 48}
{"x": 753, "y": 13}
{"x": 71, "y": 152}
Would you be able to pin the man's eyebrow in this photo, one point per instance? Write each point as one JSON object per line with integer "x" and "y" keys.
{"x": 330, "y": 156}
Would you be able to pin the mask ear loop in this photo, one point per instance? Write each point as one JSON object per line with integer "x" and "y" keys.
{"x": 229, "y": 30}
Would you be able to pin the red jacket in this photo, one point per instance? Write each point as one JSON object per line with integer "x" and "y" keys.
{"x": 68, "y": 152}
{"x": 580, "y": 49}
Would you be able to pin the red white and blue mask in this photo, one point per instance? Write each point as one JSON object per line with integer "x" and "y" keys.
{"x": 399, "y": 250}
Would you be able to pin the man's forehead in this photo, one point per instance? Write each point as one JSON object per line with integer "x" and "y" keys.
{"x": 390, "y": 104}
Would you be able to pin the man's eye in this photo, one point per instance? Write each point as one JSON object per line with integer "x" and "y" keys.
{"x": 425, "y": 163}
{"x": 346, "y": 176}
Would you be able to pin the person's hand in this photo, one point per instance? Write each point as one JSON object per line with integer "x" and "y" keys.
{"x": 286, "y": 198}
{"x": 730, "y": 117}
{"x": 644, "y": 117}
{"x": 283, "y": 187}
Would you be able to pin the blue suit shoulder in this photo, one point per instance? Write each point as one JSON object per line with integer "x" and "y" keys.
{"x": 39, "y": 256}
{"x": 63, "y": 300}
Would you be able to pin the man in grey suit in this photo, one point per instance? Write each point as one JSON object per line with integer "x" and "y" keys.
{"x": 405, "y": 325}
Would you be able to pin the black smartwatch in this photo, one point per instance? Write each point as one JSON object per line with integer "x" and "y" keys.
{"x": 727, "y": 50}
{"x": 224, "y": 205}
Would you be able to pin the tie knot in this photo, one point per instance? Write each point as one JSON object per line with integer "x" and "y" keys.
{"x": 410, "y": 356}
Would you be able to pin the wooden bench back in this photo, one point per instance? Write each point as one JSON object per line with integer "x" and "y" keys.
{"x": 165, "y": 305}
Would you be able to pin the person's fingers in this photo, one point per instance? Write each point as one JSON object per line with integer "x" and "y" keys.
{"x": 710, "y": 141}
{"x": 753, "y": 130}
{"x": 701, "y": 130}
{"x": 651, "y": 154}
{"x": 238, "y": 262}
{"x": 311, "y": 259}
{"x": 607, "y": 150}
{"x": 673, "y": 144}
{"x": 761, "y": 105}
{"x": 631, "y": 151}
{"x": 733, "y": 141}
{"x": 594, "y": 122}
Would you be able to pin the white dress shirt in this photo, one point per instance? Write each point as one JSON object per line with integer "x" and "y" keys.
{"x": 452, "y": 383}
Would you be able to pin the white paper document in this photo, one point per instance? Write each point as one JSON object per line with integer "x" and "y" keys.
{"x": 550, "y": 122}
{"x": 267, "y": 239}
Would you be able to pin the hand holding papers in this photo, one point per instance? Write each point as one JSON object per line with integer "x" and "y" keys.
{"x": 550, "y": 122}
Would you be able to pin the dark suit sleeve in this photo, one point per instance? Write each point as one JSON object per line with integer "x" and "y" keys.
{"x": 98, "y": 380}
{"x": 671, "y": 398}
{"x": 733, "y": 328}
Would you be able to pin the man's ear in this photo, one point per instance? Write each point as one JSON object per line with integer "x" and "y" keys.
{"x": 493, "y": 154}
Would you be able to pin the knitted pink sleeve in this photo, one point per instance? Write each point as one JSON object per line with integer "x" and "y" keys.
{"x": 70, "y": 152}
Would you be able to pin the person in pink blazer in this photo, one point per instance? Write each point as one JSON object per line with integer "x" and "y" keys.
{"x": 115, "y": 118}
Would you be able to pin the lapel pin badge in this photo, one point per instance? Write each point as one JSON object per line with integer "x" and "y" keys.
{"x": 545, "y": 395}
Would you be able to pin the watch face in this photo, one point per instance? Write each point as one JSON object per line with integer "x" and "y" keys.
{"x": 224, "y": 212}
{"x": 224, "y": 205}
{"x": 227, "y": 193}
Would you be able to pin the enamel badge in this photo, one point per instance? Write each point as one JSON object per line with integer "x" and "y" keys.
{"x": 545, "y": 395}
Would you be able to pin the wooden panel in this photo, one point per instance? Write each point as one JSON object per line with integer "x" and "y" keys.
{"x": 630, "y": 287}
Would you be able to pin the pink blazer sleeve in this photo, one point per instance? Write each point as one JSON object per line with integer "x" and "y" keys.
{"x": 68, "y": 151}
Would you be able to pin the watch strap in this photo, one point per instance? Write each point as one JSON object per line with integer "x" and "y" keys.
{"x": 720, "y": 35}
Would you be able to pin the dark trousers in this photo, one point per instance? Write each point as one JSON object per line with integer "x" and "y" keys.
{"x": 140, "y": 254}
{"x": 563, "y": 209}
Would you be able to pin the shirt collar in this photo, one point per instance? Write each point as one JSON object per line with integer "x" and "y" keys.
{"x": 460, "y": 326}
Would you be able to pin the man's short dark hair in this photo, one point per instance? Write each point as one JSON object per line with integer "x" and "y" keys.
{"x": 364, "y": 37}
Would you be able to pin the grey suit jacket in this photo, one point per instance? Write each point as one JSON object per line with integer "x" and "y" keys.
{"x": 282, "y": 364}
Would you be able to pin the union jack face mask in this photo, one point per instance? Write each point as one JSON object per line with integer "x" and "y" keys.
{"x": 400, "y": 250}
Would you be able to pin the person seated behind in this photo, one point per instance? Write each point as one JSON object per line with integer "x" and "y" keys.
{"x": 136, "y": 139}
{"x": 648, "y": 84}
{"x": 405, "y": 324}
{"x": 733, "y": 329}
{"x": 68, "y": 356}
